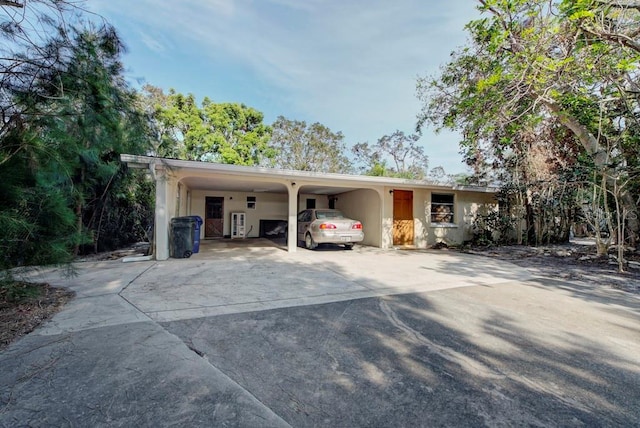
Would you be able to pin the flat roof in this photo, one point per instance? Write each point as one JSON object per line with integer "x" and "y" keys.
{"x": 137, "y": 161}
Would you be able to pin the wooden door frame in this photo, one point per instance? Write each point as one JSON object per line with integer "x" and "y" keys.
{"x": 404, "y": 222}
{"x": 206, "y": 203}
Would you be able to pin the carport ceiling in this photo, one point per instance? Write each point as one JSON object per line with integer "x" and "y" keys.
{"x": 238, "y": 184}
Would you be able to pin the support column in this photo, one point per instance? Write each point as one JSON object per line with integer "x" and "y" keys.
{"x": 292, "y": 223}
{"x": 161, "y": 227}
{"x": 386, "y": 219}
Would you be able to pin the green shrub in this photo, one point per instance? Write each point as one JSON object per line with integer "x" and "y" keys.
{"x": 12, "y": 291}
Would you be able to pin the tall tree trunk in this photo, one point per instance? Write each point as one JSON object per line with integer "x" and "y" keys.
{"x": 79, "y": 220}
{"x": 76, "y": 247}
{"x": 530, "y": 220}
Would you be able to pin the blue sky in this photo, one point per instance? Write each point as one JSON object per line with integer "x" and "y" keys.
{"x": 351, "y": 65}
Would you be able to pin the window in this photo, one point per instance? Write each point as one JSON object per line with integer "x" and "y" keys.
{"x": 328, "y": 214}
{"x": 304, "y": 216}
{"x": 251, "y": 202}
{"x": 332, "y": 202}
{"x": 441, "y": 208}
{"x": 311, "y": 204}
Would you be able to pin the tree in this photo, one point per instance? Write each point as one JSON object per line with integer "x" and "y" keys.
{"x": 229, "y": 133}
{"x": 68, "y": 129}
{"x": 611, "y": 21}
{"x": 439, "y": 175}
{"x": 395, "y": 155}
{"x": 239, "y": 136}
{"x": 539, "y": 87}
{"x": 91, "y": 122}
{"x": 307, "y": 147}
{"x": 26, "y": 56}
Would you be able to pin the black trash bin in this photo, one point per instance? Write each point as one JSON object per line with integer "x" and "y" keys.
{"x": 182, "y": 237}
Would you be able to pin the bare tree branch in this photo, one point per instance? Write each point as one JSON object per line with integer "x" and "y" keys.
{"x": 10, "y": 3}
{"x": 621, "y": 4}
{"x": 622, "y": 39}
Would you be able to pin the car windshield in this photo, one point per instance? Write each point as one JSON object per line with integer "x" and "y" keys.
{"x": 328, "y": 214}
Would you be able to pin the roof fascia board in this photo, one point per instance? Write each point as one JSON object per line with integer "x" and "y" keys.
{"x": 253, "y": 171}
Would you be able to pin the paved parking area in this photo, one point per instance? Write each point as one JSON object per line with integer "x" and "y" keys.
{"x": 239, "y": 276}
{"x": 246, "y": 334}
{"x": 223, "y": 280}
{"x": 538, "y": 353}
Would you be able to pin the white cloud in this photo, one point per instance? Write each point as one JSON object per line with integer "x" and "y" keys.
{"x": 153, "y": 43}
{"x": 350, "y": 65}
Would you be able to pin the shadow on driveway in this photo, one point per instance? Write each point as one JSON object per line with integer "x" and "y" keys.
{"x": 517, "y": 354}
{"x": 350, "y": 338}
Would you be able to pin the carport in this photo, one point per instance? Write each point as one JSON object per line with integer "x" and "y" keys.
{"x": 262, "y": 194}
{"x": 243, "y": 202}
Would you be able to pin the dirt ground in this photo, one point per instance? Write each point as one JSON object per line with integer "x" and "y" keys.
{"x": 21, "y": 317}
{"x": 574, "y": 262}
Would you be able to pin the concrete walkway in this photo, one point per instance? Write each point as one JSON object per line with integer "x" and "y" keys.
{"x": 242, "y": 276}
{"x": 178, "y": 342}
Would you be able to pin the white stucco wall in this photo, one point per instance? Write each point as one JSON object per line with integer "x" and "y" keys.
{"x": 373, "y": 208}
{"x": 466, "y": 206}
{"x": 181, "y": 200}
{"x": 269, "y": 206}
{"x": 322, "y": 201}
{"x": 387, "y": 218}
{"x": 421, "y": 218}
{"x": 364, "y": 205}
{"x": 473, "y": 204}
{"x": 166, "y": 208}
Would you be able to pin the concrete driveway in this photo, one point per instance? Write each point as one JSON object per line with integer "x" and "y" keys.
{"x": 249, "y": 335}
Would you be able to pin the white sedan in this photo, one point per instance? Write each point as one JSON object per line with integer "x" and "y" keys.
{"x": 327, "y": 226}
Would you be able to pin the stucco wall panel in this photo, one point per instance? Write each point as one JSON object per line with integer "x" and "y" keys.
{"x": 467, "y": 206}
{"x": 269, "y": 206}
{"x": 364, "y": 205}
{"x": 322, "y": 201}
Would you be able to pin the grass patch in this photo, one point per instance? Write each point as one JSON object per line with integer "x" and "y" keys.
{"x": 14, "y": 292}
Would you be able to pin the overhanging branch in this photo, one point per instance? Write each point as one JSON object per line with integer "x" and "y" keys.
{"x": 629, "y": 4}
{"x": 10, "y": 3}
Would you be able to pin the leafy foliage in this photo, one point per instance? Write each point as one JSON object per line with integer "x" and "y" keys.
{"x": 90, "y": 124}
{"x": 37, "y": 225}
{"x": 60, "y": 150}
{"x": 229, "y": 133}
{"x": 12, "y": 292}
{"x": 395, "y": 155}
{"x": 304, "y": 147}
{"x": 125, "y": 213}
{"x": 543, "y": 90}
{"x": 25, "y": 56}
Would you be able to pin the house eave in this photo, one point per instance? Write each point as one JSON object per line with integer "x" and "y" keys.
{"x": 137, "y": 161}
